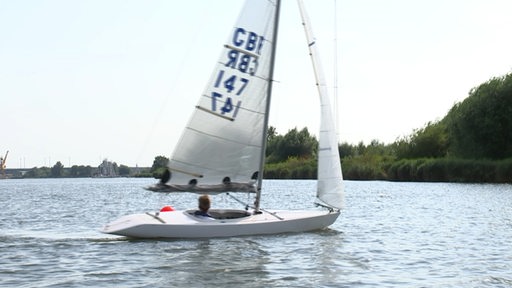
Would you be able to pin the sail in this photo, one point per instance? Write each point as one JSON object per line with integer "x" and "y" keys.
{"x": 221, "y": 146}
{"x": 330, "y": 178}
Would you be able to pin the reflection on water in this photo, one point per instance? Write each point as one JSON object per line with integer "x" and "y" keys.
{"x": 389, "y": 235}
{"x": 217, "y": 262}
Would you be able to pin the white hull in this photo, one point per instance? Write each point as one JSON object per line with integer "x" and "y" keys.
{"x": 181, "y": 224}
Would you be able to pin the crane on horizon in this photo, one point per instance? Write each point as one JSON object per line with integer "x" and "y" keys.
{"x": 2, "y": 162}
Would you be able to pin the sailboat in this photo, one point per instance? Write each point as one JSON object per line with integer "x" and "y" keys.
{"x": 222, "y": 148}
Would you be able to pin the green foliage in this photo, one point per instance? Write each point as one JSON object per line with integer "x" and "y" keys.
{"x": 159, "y": 162}
{"x": 124, "y": 170}
{"x": 271, "y": 133}
{"x": 159, "y": 166}
{"x": 481, "y": 126}
{"x": 272, "y": 140}
{"x": 365, "y": 162}
{"x": 292, "y": 168}
{"x": 57, "y": 170}
{"x": 451, "y": 170}
{"x": 346, "y": 150}
{"x": 295, "y": 143}
{"x": 43, "y": 172}
{"x": 405, "y": 170}
{"x": 504, "y": 171}
{"x": 292, "y": 156}
{"x": 143, "y": 173}
{"x": 364, "y": 167}
{"x": 80, "y": 171}
{"x": 429, "y": 141}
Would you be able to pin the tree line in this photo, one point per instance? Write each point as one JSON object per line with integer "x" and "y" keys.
{"x": 472, "y": 143}
{"x": 76, "y": 171}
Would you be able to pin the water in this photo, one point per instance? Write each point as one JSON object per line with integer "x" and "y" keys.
{"x": 389, "y": 235}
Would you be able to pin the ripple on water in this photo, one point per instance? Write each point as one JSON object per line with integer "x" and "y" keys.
{"x": 389, "y": 235}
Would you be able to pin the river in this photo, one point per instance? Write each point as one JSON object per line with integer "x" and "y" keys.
{"x": 388, "y": 235}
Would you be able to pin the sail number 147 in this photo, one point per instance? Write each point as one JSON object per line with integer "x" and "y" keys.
{"x": 231, "y": 83}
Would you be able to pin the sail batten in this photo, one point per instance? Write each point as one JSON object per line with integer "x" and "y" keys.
{"x": 185, "y": 172}
{"x": 215, "y": 114}
{"x": 241, "y": 50}
{"x": 231, "y": 140}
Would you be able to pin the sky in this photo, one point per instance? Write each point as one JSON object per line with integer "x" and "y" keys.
{"x": 83, "y": 81}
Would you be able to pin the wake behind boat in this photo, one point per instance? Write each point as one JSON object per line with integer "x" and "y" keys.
{"x": 222, "y": 148}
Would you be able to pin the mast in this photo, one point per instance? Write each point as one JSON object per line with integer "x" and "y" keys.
{"x": 267, "y": 108}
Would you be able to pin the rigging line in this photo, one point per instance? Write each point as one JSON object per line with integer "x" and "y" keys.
{"x": 163, "y": 105}
{"x": 331, "y": 209}
{"x": 238, "y": 200}
{"x": 335, "y": 73}
{"x": 156, "y": 217}
{"x": 247, "y": 206}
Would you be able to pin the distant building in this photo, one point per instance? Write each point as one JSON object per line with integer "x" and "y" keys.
{"x": 107, "y": 169}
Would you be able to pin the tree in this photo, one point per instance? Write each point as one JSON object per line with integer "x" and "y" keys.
{"x": 80, "y": 171}
{"x": 272, "y": 141}
{"x": 43, "y": 172}
{"x": 124, "y": 170}
{"x": 57, "y": 170}
{"x": 346, "y": 150}
{"x": 159, "y": 166}
{"x": 271, "y": 133}
{"x": 430, "y": 141}
{"x": 295, "y": 143}
{"x": 159, "y": 162}
{"x": 481, "y": 125}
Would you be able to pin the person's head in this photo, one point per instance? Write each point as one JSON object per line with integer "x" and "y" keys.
{"x": 204, "y": 202}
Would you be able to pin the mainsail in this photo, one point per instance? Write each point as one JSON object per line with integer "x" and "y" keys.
{"x": 330, "y": 179}
{"x": 221, "y": 146}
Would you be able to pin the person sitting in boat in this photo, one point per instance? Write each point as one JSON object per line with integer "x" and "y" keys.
{"x": 204, "y": 206}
